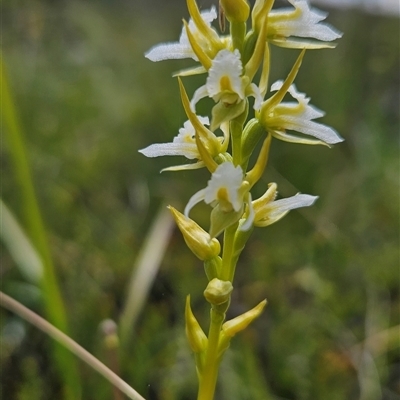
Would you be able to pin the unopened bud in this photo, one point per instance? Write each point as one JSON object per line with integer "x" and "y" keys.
{"x": 196, "y": 238}
{"x": 196, "y": 337}
{"x": 218, "y": 292}
{"x": 236, "y": 10}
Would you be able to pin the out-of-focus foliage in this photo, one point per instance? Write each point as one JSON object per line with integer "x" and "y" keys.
{"x": 88, "y": 100}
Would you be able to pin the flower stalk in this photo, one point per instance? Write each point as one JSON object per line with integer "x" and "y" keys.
{"x": 247, "y": 114}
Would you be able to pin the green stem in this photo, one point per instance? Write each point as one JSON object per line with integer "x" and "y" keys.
{"x": 208, "y": 380}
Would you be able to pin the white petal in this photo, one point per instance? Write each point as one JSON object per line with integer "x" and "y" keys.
{"x": 276, "y": 85}
{"x": 209, "y": 15}
{"x": 254, "y": 91}
{"x": 290, "y": 203}
{"x": 187, "y": 133}
{"x": 169, "y": 51}
{"x": 292, "y": 90}
{"x": 250, "y": 218}
{"x": 199, "y": 94}
{"x": 188, "y": 150}
{"x": 319, "y": 131}
{"x": 225, "y": 65}
{"x": 296, "y": 94}
{"x": 229, "y": 177}
{"x": 196, "y": 198}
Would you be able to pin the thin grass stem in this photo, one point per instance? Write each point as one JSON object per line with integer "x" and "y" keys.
{"x": 40, "y": 323}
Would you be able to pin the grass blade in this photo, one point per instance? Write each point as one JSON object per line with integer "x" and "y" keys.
{"x": 145, "y": 271}
{"x": 54, "y": 305}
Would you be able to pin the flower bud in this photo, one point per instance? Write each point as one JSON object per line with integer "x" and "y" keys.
{"x": 197, "y": 339}
{"x": 235, "y": 325}
{"x": 251, "y": 136}
{"x": 236, "y": 10}
{"x": 196, "y": 238}
{"x": 218, "y": 292}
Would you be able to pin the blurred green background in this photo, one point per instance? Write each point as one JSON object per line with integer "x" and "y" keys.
{"x": 87, "y": 100}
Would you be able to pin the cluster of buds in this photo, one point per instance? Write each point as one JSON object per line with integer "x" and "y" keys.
{"x": 224, "y": 141}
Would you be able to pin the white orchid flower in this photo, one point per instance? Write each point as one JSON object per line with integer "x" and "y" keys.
{"x": 184, "y": 144}
{"x": 267, "y": 210}
{"x": 223, "y": 187}
{"x": 228, "y": 193}
{"x": 296, "y": 117}
{"x": 226, "y": 83}
{"x": 182, "y": 49}
{"x": 287, "y": 25}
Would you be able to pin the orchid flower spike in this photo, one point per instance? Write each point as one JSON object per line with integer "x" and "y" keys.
{"x": 286, "y": 26}
{"x": 277, "y": 119}
{"x": 267, "y": 210}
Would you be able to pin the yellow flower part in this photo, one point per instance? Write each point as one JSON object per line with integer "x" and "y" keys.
{"x": 235, "y": 325}
{"x": 218, "y": 292}
{"x": 196, "y": 336}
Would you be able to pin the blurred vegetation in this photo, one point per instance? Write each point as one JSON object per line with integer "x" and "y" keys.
{"x": 87, "y": 100}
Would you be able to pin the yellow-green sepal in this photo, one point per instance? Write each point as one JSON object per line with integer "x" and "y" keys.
{"x": 197, "y": 339}
{"x": 196, "y": 238}
{"x": 222, "y": 113}
{"x": 256, "y": 172}
{"x": 238, "y": 324}
{"x": 220, "y": 220}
